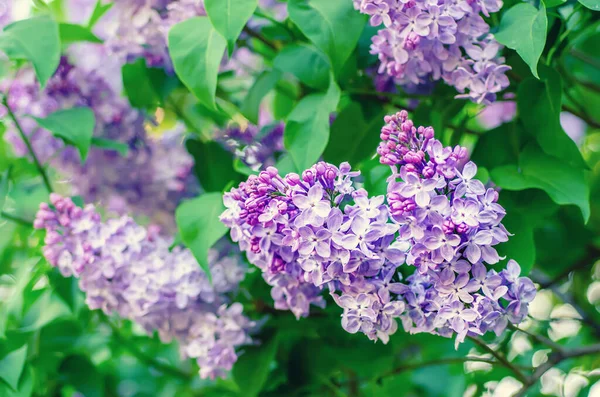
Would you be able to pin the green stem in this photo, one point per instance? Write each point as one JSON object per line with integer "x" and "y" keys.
{"x": 25, "y": 139}
{"x": 143, "y": 357}
{"x": 15, "y": 219}
{"x": 260, "y": 38}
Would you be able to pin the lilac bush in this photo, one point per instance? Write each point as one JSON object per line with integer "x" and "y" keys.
{"x": 320, "y": 230}
{"x": 126, "y": 269}
{"x": 422, "y": 41}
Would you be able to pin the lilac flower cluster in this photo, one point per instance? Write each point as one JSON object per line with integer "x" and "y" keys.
{"x": 315, "y": 230}
{"x": 451, "y": 223}
{"x": 149, "y": 181}
{"x": 432, "y": 40}
{"x": 126, "y": 269}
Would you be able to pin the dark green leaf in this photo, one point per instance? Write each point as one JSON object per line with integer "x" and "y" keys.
{"x": 262, "y": 86}
{"x": 497, "y": 147}
{"x": 563, "y": 183}
{"x": 71, "y": 33}
{"x": 199, "y": 225}
{"x": 306, "y": 63}
{"x": 11, "y": 366}
{"x": 196, "y": 49}
{"x": 334, "y": 26}
{"x": 213, "y": 165}
{"x": 539, "y": 104}
{"x": 21, "y": 40}
{"x": 353, "y": 138}
{"x": 593, "y": 5}
{"x": 109, "y": 144}
{"x": 229, "y": 17}
{"x": 523, "y": 28}
{"x": 75, "y": 126}
{"x": 138, "y": 87}
{"x": 46, "y": 309}
{"x": 307, "y": 130}
{"x": 252, "y": 369}
{"x": 79, "y": 372}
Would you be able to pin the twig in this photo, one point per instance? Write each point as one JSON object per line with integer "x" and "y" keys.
{"x": 12, "y": 218}
{"x": 260, "y": 38}
{"x": 443, "y": 361}
{"x": 540, "y": 278}
{"x": 503, "y": 360}
{"x": 25, "y": 139}
{"x": 585, "y": 58}
{"x": 592, "y": 255}
{"x": 553, "y": 359}
{"x": 539, "y": 338}
{"x": 582, "y": 116}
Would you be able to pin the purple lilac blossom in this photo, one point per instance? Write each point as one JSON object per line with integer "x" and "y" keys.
{"x": 150, "y": 181}
{"x": 319, "y": 230}
{"x": 497, "y": 114}
{"x": 451, "y": 223}
{"x": 126, "y": 269}
{"x": 422, "y": 41}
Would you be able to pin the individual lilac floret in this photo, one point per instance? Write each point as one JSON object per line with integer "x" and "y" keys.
{"x": 422, "y": 41}
{"x": 317, "y": 230}
{"x": 451, "y": 223}
{"x": 149, "y": 181}
{"x": 126, "y": 269}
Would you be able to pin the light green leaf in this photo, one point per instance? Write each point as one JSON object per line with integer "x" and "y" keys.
{"x": 353, "y": 139}
{"x": 199, "y": 225}
{"x": 25, "y": 387}
{"x": 564, "y": 184}
{"x": 262, "y": 86}
{"x": 75, "y": 126}
{"x": 523, "y": 28}
{"x": 593, "y": 5}
{"x": 11, "y": 366}
{"x": 307, "y": 130}
{"x": 334, "y": 26}
{"x": 305, "y": 62}
{"x": 196, "y": 49}
{"x": 109, "y": 144}
{"x": 252, "y": 368}
{"x": 539, "y": 104}
{"x": 229, "y": 17}
{"x": 71, "y": 33}
{"x": 21, "y": 40}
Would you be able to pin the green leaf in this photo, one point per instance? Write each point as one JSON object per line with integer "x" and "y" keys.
{"x": 564, "y": 184}
{"x": 109, "y": 144}
{"x": 334, "y": 26}
{"x": 25, "y": 388}
{"x": 252, "y": 369}
{"x": 71, "y": 33}
{"x": 539, "y": 104}
{"x": 593, "y": 5}
{"x": 196, "y": 49}
{"x": 11, "y": 366}
{"x": 213, "y": 165}
{"x": 305, "y": 62}
{"x": 21, "y": 40}
{"x": 262, "y": 86}
{"x": 75, "y": 126}
{"x": 307, "y": 130}
{"x": 46, "y": 309}
{"x": 353, "y": 139}
{"x": 99, "y": 10}
{"x": 79, "y": 372}
{"x": 229, "y": 17}
{"x": 523, "y": 28}
{"x": 146, "y": 87}
{"x": 199, "y": 225}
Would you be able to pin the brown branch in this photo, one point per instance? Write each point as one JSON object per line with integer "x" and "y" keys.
{"x": 592, "y": 255}
{"x": 502, "y": 360}
{"x": 261, "y": 38}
